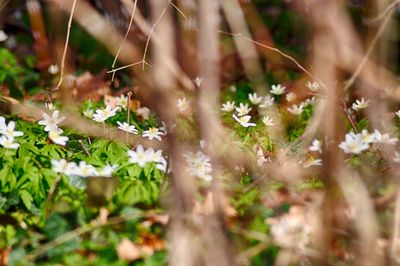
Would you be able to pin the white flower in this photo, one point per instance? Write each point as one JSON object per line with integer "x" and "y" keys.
{"x": 50, "y": 106}
{"x": 313, "y": 86}
{"x": 384, "y": 138}
{"x": 127, "y": 128}
{"x": 243, "y": 109}
{"x": 267, "y": 101}
{"x": 198, "y": 81}
{"x": 140, "y": 156}
{"x": 53, "y": 69}
{"x": 232, "y": 88}
{"x": 55, "y": 136}
{"x": 296, "y": 109}
{"x": 278, "y": 89}
{"x": 153, "y": 133}
{"x": 366, "y": 137}
{"x": 398, "y": 114}
{"x": 3, "y": 36}
{"x": 268, "y": 121}
{"x": 199, "y": 165}
{"x": 88, "y": 113}
{"x": 162, "y": 164}
{"x": 102, "y": 115}
{"x": 122, "y": 101}
{"x": 143, "y": 112}
{"x": 312, "y": 162}
{"x": 360, "y": 104}
{"x": 291, "y": 96}
{"x": 165, "y": 129}
{"x": 2, "y": 123}
{"x": 183, "y": 105}
{"x": 353, "y": 144}
{"x": 349, "y": 111}
{"x": 228, "y": 106}
{"x": 108, "y": 170}
{"x": 51, "y": 122}
{"x": 254, "y": 99}
{"x": 309, "y": 101}
{"x": 8, "y": 143}
{"x": 9, "y": 130}
{"x": 244, "y": 120}
{"x": 203, "y": 144}
{"x": 85, "y": 170}
{"x": 261, "y": 159}
{"x": 64, "y": 167}
{"x": 315, "y": 146}
{"x": 156, "y": 157}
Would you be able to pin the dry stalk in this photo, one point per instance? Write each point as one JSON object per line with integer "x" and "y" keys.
{"x": 123, "y": 41}
{"x": 62, "y": 65}
{"x": 218, "y": 248}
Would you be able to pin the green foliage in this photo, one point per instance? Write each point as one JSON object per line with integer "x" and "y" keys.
{"x": 15, "y": 76}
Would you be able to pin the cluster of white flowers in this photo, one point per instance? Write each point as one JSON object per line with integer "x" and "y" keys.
{"x": 357, "y": 143}
{"x": 242, "y": 118}
{"x": 199, "y": 165}
{"x": 141, "y": 156}
{"x": 51, "y": 126}
{"x": 82, "y": 169}
{"x": 244, "y": 109}
{"x": 8, "y": 133}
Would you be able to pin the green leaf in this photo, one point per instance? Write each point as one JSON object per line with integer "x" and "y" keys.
{"x": 26, "y": 198}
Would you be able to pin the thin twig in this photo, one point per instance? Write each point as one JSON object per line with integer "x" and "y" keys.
{"x": 126, "y": 66}
{"x": 128, "y": 115}
{"x": 177, "y": 9}
{"x": 4, "y": 5}
{"x": 384, "y": 13}
{"x": 269, "y": 48}
{"x": 371, "y": 47}
{"x": 151, "y": 33}
{"x": 50, "y": 195}
{"x": 123, "y": 41}
{"x": 66, "y": 45}
{"x": 84, "y": 148}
